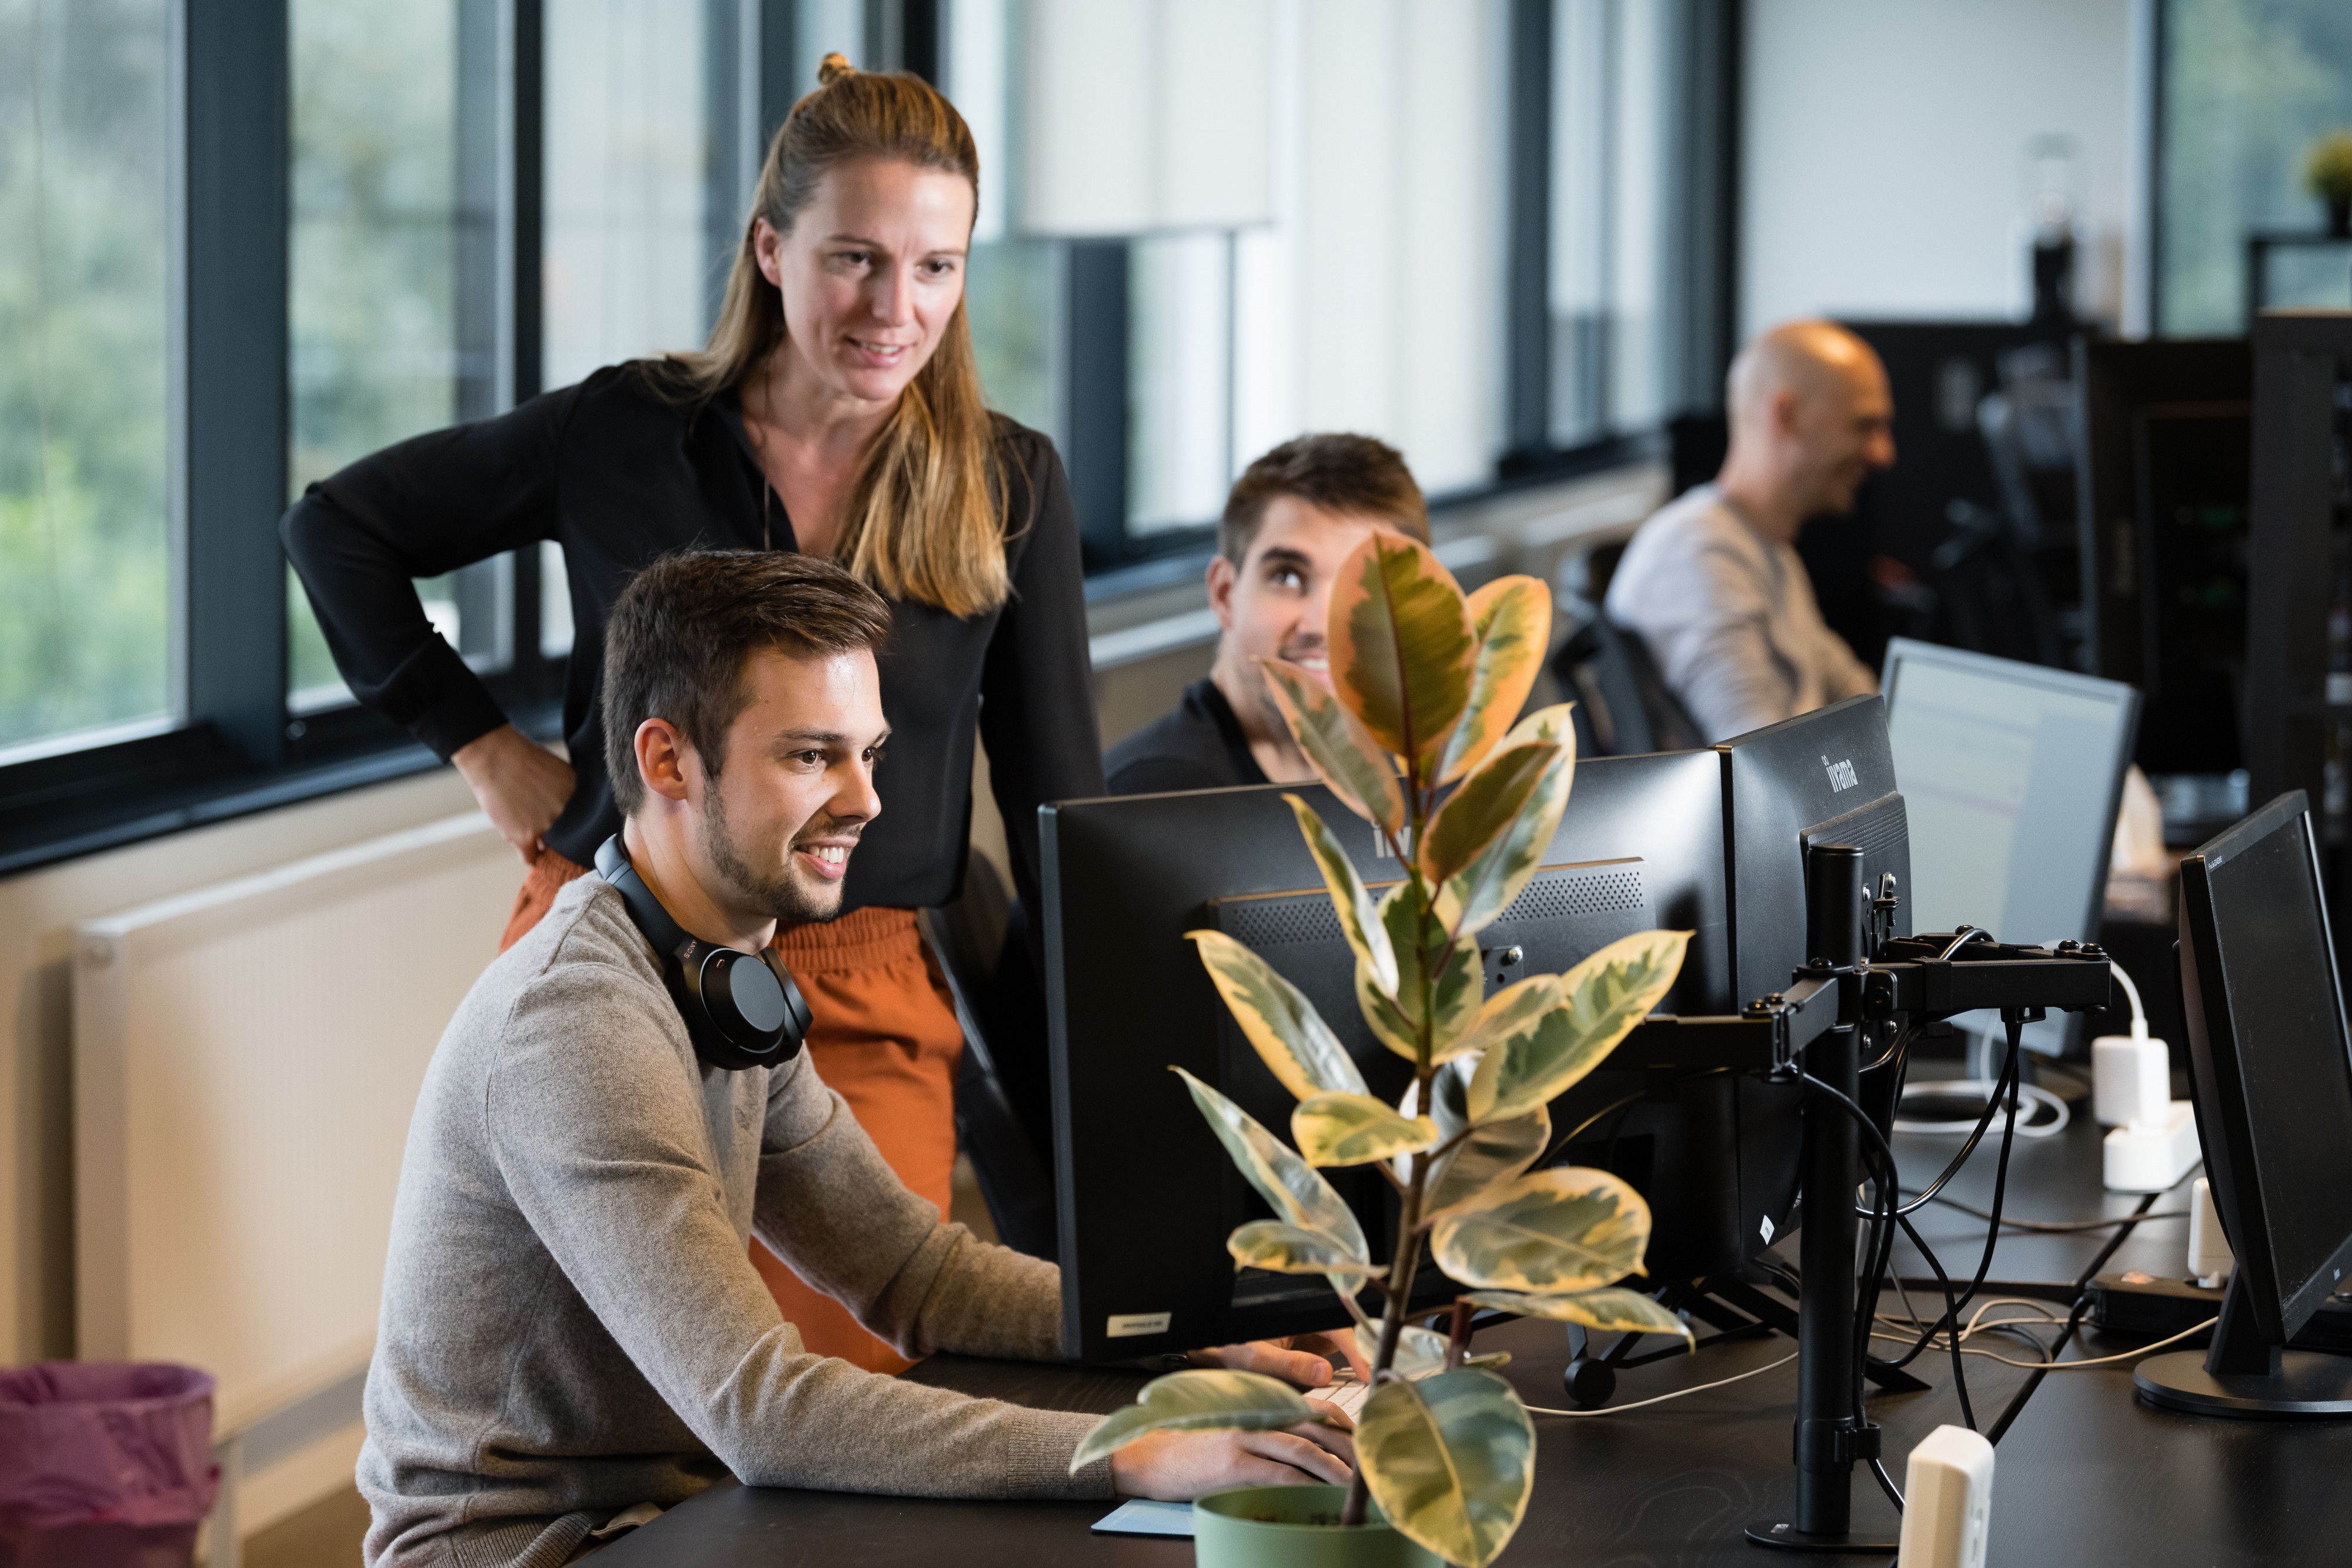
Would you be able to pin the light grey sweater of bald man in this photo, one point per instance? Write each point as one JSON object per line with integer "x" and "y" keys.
{"x": 1729, "y": 617}
{"x": 572, "y": 1324}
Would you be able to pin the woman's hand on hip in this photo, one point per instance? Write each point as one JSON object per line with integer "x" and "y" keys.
{"x": 520, "y": 784}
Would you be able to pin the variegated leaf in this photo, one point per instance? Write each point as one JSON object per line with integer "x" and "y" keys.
{"x": 1283, "y": 1026}
{"x": 1355, "y": 1130}
{"x": 1611, "y": 1309}
{"x": 1545, "y": 1234}
{"x": 1512, "y": 616}
{"x": 1551, "y": 725}
{"x": 1451, "y": 1460}
{"x": 1281, "y": 1249}
{"x": 1395, "y": 1020}
{"x": 1418, "y": 1351}
{"x": 1201, "y": 1401}
{"x": 1601, "y": 999}
{"x": 1343, "y": 752}
{"x": 1483, "y": 888}
{"x": 1482, "y": 809}
{"x": 1402, "y": 649}
{"x": 1493, "y": 1152}
{"x": 1357, "y": 917}
{"x": 1295, "y": 1189}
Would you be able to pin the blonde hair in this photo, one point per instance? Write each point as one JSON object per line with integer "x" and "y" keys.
{"x": 928, "y": 514}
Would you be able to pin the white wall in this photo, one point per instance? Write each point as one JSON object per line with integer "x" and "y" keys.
{"x": 1883, "y": 152}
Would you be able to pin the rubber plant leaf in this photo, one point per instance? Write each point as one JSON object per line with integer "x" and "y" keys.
{"x": 1451, "y": 1460}
{"x": 1203, "y": 1401}
{"x": 1512, "y": 616}
{"x": 1298, "y": 1193}
{"x": 1484, "y": 886}
{"x": 1402, "y": 650}
{"x": 1611, "y": 1310}
{"x": 1359, "y": 919}
{"x": 1395, "y": 1017}
{"x": 1276, "y": 1018}
{"x": 1343, "y": 752}
{"x": 1355, "y": 1130}
{"x": 1482, "y": 809}
{"x": 1601, "y": 1001}
{"x": 1493, "y": 1152}
{"x": 1420, "y": 1352}
{"x": 1545, "y": 1234}
{"x": 1280, "y": 1248}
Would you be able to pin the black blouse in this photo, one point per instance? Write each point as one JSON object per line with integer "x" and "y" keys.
{"x": 617, "y": 475}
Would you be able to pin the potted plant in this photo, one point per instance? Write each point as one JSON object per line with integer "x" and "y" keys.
{"x": 1424, "y": 685}
{"x": 2327, "y": 172}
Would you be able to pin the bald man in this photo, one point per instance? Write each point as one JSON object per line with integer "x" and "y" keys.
{"x": 1712, "y": 582}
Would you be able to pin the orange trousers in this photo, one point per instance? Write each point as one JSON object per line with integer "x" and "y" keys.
{"x": 883, "y": 1034}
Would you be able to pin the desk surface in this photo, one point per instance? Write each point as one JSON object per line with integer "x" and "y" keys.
{"x": 2086, "y": 1475}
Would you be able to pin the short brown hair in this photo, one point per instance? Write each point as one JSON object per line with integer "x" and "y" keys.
{"x": 1351, "y": 474}
{"x": 683, "y": 629}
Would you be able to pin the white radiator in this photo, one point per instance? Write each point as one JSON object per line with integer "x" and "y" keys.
{"x": 245, "y": 1059}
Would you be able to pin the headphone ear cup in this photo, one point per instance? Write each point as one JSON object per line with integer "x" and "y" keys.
{"x": 798, "y": 1015}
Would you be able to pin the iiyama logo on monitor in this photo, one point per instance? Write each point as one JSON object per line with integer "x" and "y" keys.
{"x": 1842, "y": 776}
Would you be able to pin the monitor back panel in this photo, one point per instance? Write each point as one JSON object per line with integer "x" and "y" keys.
{"x": 1147, "y": 1196}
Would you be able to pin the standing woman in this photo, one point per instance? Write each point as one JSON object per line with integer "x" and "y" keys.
{"x": 836, "y": 409}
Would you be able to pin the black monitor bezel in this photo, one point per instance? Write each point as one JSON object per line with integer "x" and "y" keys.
{"x": 2225, "y": 1124}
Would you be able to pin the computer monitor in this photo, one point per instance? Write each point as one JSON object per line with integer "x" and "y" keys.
{"x": 2012, "y": 775}
{"x": 1146, "y": 1194}
{"x": 2272, "y": 1066}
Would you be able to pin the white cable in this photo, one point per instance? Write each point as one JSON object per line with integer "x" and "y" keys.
{"x": 2067, "y": 1366}
{"x": 2140, "y": 1015}
{"x": 1661, "y": 1399}
{"x": 2028, "y": 1095}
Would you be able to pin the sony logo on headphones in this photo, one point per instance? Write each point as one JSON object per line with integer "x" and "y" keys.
{"x": 1842, "y": 775}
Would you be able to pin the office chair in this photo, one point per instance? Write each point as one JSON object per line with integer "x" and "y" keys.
{"x": 977, "y": 942}
{"x": 1623, "y": 705}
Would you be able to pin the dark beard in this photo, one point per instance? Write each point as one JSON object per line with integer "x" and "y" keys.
{"x": 775, "y": 895}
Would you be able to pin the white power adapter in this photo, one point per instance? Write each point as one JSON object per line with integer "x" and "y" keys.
{"x": 2210, "y": 1258}
{"x": 2154, "y": 1143}
{"x": 1948, "y": 1500}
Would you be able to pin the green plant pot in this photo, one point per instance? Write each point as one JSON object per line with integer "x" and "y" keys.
{"x": 1294, "y": 1527}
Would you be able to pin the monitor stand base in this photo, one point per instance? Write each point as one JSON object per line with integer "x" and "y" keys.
{"x": 1789, "y": 1537}
{"x": 2310, "y": 1385}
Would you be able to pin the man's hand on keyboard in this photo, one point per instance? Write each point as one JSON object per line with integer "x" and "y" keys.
{"x": 1304, "y": 1360}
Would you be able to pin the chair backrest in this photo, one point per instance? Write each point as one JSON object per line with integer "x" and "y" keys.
{"x": 1623, "y": 705}
{"x": 974, "y": 939}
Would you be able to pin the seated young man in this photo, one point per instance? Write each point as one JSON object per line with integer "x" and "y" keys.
{"x": 1292, "y": 516}
{"x": 572, "y": 1325}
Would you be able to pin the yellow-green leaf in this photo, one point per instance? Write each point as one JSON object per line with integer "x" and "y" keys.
{"x": 1401, "y": 647}
{"x": 1493, "y": 1152}
{"x": 1611, "y": 1310}
{"x": 1512, "y": 616}
{"x": 1287, "y": 1250}
{"x": 1277, "y": 1019}
{"x": 1601, "y": 999}
{"x": 1395, "y": 1019}
{"x": 1201, "y": 1401}
{"x": 1295, "y": 1189}
{"x": 1451, "y": 1460}
{"x": 1545, "y": 1234}
{"x": 1485, "y": 805}
{"x": 1358, "y": 918}
{"x": 1513, "y": 1011}
{"x": 1418, "y": 1351}
{"x": 1344, "y": 753}
{"x": 1355, "y": 1130}
{"x": 1482, "y": 889}
{"x": 1551, "y": 725}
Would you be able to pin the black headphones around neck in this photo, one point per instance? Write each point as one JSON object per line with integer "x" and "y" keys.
{"x": 739, "y": 1011}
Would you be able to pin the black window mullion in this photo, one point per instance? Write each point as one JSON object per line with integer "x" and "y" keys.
{"x": 523, "y": 236}
{"x": 1095, "y": 391}
{"x": 1528, "y": 289}
{"x": 233, "y": 71}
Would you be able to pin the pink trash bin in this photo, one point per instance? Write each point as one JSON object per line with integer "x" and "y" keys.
{"x": 104, "y": 1464}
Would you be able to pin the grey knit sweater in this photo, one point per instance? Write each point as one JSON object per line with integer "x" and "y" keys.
{"x": 571, "y": 1324}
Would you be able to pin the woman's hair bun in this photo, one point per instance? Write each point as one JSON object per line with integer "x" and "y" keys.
{"x": 833, "y": 68}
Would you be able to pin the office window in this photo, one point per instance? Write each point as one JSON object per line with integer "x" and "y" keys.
{"x": 394, "y": 271}
{"x": 2244, "y": 87}
{"x": 84, "y": 576}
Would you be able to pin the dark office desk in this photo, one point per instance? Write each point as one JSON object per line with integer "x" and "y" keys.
{"x": 1675, "y": 1483}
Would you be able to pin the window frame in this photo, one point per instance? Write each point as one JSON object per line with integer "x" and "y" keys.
{"x": 236, "y": 747}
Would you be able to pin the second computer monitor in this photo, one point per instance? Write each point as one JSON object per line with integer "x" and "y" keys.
{"x": 2012, "y": 774}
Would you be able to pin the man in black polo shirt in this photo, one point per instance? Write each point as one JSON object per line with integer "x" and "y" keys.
{"x": 1291, "y": 519}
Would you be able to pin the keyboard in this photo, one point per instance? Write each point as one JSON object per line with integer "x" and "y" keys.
{"x": 1346, "y": 1393}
